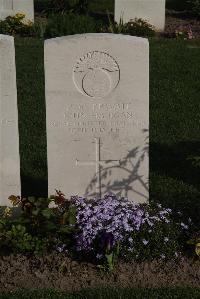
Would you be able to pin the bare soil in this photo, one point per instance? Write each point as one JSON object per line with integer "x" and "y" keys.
{"x": 59, "y": 271}
{"x": 181, "y": 21}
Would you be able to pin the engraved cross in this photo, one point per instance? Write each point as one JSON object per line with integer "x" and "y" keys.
{"x": 99, "y": 164}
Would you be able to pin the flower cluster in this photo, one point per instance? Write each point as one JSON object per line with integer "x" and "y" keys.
{"x": 16, "y": 24}
{"x": 184, "y": 33}
{"x": 106, "y": 215}
{"x": 109, "y": 222}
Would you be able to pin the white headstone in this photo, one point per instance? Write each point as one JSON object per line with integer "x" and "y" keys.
{"x": 9, "y": 139}
{"x": 153, "y": 11}
{"x": 12, "y": 7}
{"x": 97, "y": 93}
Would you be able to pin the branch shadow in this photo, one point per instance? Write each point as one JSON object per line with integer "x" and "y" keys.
{"x": 129, "y": 168}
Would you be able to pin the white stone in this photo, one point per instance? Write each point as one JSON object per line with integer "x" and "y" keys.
{"x": 97, "y": 104}
{"x": 152, "y": 11}
{"x": 12, "y": 7}
{"x": 9, "y": 139}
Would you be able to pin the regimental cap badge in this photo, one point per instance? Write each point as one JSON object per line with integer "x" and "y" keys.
{"x": 96, "y": 74}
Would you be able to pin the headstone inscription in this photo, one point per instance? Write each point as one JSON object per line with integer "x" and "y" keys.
{"x": 153, "y": 11}
{"x": 9, "y": 139}
{"x": 97, "y": 93}
{"x": 12, "y": 7}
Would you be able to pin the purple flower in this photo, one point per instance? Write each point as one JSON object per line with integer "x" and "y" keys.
{"x": 130, "y": 240}
{"x": 99, "y": 256}
{"x": 103, "y": 223}
{"x": 184, "y": 226}
{"x": 145, "y": 242}
{"x": 61, "y": 248}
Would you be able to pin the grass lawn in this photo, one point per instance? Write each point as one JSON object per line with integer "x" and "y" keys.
{"x": 174, "y": 120}
{"x": 162, "y": 293}
{"x": 101, "y": 5}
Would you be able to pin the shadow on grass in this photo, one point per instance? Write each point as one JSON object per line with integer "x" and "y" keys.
{"x": 37, "y": 187}
{"x": 175, "y": 181}
{"x": 174, "y": 161}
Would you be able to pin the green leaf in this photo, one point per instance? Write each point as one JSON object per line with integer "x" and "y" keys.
{"x": 197, "y": 249}
{"x": 31, "y": 199}
{"x": 65, "y": 229}
{"x": 47, "y": 213}
{"x": 72, "y": 215}
{"x": 35, "y": 212}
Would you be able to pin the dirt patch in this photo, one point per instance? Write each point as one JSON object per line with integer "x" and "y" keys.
{"x": 61, "y": 272}
{"x": 181, "y": 21}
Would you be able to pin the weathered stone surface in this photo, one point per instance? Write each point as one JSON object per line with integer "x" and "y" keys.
{"x": 11, "y": 7}
{"x": 9, "y": 141}
{"x": 97, "y": 91}
{"x": 151, "y": 10}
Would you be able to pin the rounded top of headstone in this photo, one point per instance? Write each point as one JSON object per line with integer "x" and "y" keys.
{"x": 112, "y": 36}
{"x": 6, "y": 37}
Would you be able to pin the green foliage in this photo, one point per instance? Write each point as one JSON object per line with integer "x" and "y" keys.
{"x": 41, "y": 6}
{"x": 165, "y": 239}
{"x": 140, "y": 27}
{"x": 61, "y": 6}
{"x": 195, "y": 160}
{"x": 112, "y": 258}
{"x": 137, "y": 27}
{"x": 66, "y": 215}
{"x": 38, "y": 227}
{"x": 16, "y": 24}
{"x": 47, "y": 6}
{"x": 35, "y": 214}
{"x": 69, "y": 23}
{"x": 195, "y": 7}
{"x": 66, "y": 18}
{"x": 17, "y": 239}
{"x": 195, "y": 241}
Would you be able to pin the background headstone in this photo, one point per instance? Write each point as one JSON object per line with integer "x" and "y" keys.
{"x": 152, "y": 11}
{"x": 9, "y": 140}
{"x": 97, "y": 93}
{"x": 11, "y": 7}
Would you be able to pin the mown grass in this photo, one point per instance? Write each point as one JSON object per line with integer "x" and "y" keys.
{"x": 101, "y": 5}
{"x": 174, "y": 121}
{"x": 162, "y": 293}
{"x": 174, "y": 124}
{"x": 32, "y": 123}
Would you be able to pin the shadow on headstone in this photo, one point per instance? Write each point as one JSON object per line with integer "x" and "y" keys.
{"x": 130, "y": 166}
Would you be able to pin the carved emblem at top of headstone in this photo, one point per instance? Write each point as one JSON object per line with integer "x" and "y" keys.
{"x": 96, "y": 74}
